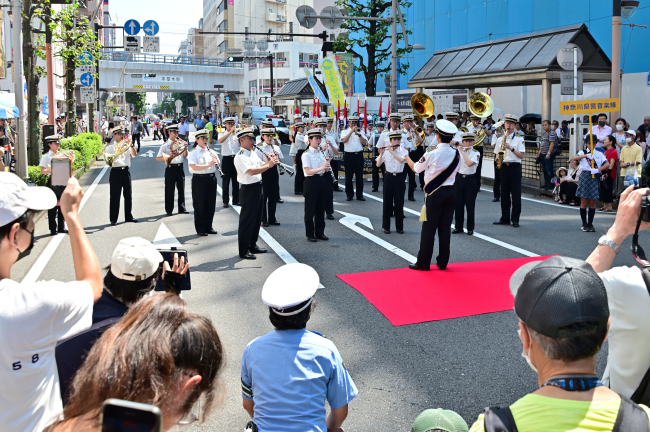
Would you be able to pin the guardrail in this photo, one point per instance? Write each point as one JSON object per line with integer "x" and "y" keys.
{"x": 169, "y": 59}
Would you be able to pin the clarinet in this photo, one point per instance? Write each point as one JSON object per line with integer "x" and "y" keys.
{"x": 269, "y": 156}
{"x": 325, "y": 156}
{"x": 216, "y": 159}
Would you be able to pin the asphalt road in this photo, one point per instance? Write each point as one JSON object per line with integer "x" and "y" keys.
{"x": 462, "y": 364}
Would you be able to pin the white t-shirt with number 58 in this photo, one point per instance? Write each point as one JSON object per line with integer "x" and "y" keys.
{"x": 33, "y": 317}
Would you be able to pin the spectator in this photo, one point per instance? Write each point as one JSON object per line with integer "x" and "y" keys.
{"x": 35, "y": 315}
{"x": 627, "y": 293}
{"x": 645, "y": 128}
{"x": 563, "y": 319}
{"x": 608, "y": 181}
{"x": 236, "y": 120}
{"x": 631, "y": 157}
{"x": 145, "y": 122}
{"x": 133, "y": 273}
{"x": 641, "y": 142}
{"x": 569, "y": 183}
{"x": 565, "y": 129}
{"x": 136, "y": 130}
{"x": 208, "y": 126}
{"x": 439, "y": 117}
{"x": 518, "y": 129}
{"x": 600, "y": 131}
{"x": 619, "y": 135}
{"x": 547, "y": 151}
{"x": 199, "y": 123}
{"x": 104, "y": 129}
{"x": 531, "y": 130}
{"x": 292, "y": 367}
{"x": 588, "y": 185}
{"x": 156, "y": 130}
{"x": 556, "y": 127}
{"x": 183, "y": 128}
{"x": 439, "y": 420}
{"x": 158, "y": 354}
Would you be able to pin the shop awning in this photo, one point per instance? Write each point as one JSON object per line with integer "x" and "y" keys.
{"x": 298, "y": 89}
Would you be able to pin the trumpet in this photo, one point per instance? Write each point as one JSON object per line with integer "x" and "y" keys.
{"x": 217, "y": 164}
{"x": 283, "y": 169}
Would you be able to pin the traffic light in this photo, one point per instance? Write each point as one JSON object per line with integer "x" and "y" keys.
{"x": 387, "y": 83}
{"x": 150, "y": 75}
{"x": 235, "y": 59}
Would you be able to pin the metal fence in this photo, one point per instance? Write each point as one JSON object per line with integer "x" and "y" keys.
{"x": 169, "y": 59}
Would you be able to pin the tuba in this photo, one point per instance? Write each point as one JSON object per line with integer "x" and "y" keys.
{"x": 482, "y": 105}
{"x": 420, "y": 131}
{"x": 177, "y": 148}
{"x": 424, "y": 108}
{"x": 119, "y": 148}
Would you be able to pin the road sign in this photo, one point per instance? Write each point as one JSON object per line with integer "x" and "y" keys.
{"x": 565, "y": 56}
{"x": 86, "y": 69}
{"x": 566, "y": 82}
{"x": 301, "y": 11}
{"x": 86, "y": 58}
{"x": 589, "y": 106}
{"x": 336, "y": 17}
{"x": 234, "y": 51}
{"x": 249, "y": 45}
{"x": 151, "y": 44}
{"x": 179, "y": 105}
{"x": 150, "y": 28}
{"x": 132, "y": 27}
{"x": 86, "y": 79}
{"x": 262, "y": 45}
{"x": 136, "y": 75}
{"x": 88, "y": 95}
{"x": 132, "y": 44}
{"x": 648, "y": 79}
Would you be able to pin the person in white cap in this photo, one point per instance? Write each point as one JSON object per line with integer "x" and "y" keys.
{"x": 510, "y": 174}
{"x": 35, "y": 315}
{"x": 374, "y": 140}
{"x": 317, "y": 186}
{"x": 297, "y": 149}
{"x": 466, "y": 185}
{"x": 175, "y": 171}
{"x": 330, "y": 150}
{"x": 333, "y": 136}
{"x": 136, "y": 266}
{"x": 354, "y": 140}
{"x": 119, "y": 179}
{"x": 229, "y": 148}
{"x": 54, "y": 215}
{"x": 412, "y": 143}
{"x": 289, "y": 373}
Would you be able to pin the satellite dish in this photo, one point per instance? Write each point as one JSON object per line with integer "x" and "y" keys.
{"x": 249, "y": 45}
{"x": 262, "y": 45}
{"x": 336, "y": 17}
{"x": 301, "y": 13}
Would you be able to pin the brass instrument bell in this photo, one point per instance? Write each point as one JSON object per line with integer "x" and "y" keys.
{"x": 422, "y": 105}
{"x": 481, "y": 104}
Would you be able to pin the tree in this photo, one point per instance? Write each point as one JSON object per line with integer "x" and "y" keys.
{"x": 371, "y": 36}
{"x": 188, "y": 99}
{"x": 138, "y": 100}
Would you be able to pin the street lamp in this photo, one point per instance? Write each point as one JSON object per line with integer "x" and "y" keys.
{"x": 628, "y": 8}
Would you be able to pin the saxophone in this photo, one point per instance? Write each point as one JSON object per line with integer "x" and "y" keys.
{"x": 500, "y": 131}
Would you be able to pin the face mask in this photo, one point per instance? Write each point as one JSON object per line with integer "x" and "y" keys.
{"x": 27, "y": 251}
{"x": 619, "y": 127}
{"x": 628, "y": 140}
{"x": 526, "y": 355}
{"x": 601, "y": 123}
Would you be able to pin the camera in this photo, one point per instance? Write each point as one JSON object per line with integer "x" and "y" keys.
{"x": 645, "y": 206}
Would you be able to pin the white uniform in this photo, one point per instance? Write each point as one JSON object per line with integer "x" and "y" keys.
{"x": 230, "y": 146}
{"x": 46, "y": 160}
{"x": 516, "y": 142}
{"x": 435, "y": 162}
{"x": 353, "y": 144}
{"x": 409, "y": 140}
{"x": 383, "y": 138}
{"x": 430, "y": 141}
{"x": 312, "y": 158}
{"x": 245, "y": 160}
{"x": 200, "y": 156}
{"x": 473, "y": 156}
{"x": 391, "y": 164}
{"x": 166, "y": 149}
{"x": 298, "y": 144}
{"x": 122, "y": 160}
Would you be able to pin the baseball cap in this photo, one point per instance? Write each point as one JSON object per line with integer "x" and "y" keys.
{"x": 439, "y": 419}
{"x": 552, "y": 295}
{"x": 16, "y": 198}
{"x": 135, "y": 259}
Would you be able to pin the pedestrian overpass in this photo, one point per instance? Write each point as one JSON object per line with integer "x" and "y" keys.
{"x": 167, "y": 73}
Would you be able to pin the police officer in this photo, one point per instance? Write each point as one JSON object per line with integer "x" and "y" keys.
{"x": 330, "y": 150}
{"x": 249, "y": 175}
{"x": 475, "y": 127}
{"x": 119, "y": 179}
{"x": 54, "y": 214}
{"x": 466, "y": 185}
{"x": 412, "y": 143}
{"x": 298, "y": 147}
{"x": 354, "y": 140}
{"x": 203, "y": 163}
{"x": 270, "y": 178}
{"x": 374, "y": 139}
{"x": 332, "y": 135}
{"x": 392, "y": 156}
{"x": 229, "y": 148}
{"x": 316, "y": 168}
{"x": 440, "y": 167}
{"x": 289, "y": 373}
{"x": 514, "y": 148}
{"x": 174, "y": 172}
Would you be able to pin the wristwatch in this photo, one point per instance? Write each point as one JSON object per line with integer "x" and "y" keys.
{"x": 606, "y": 241}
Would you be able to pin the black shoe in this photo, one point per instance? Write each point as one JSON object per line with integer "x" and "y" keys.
{"x": 53, "y": 233}
{"x": 248, "y": 255}
{"x": 132, "y": 220}
{"x": 441, "y": 268}
{"x": 386, "y": 231}
{"x": 280, "y": 201}
{"x": 330, "y": 217}
{"x": 361, "y": 199}
{"x": 515, "y": 224}
{"x": 297, "y": 193}
{"x": 457, "y": 231}
{"x": 226, "y": 205}
{"x": 184, "y": 212}
{"x": 375, "y": 189}
{"x": 501, "y": 222}
{"x": 400, "y": 231}
{"x": 169, "y": 214}
{"x": 211, "y": 231}
{"x": 417, "y": 267}
{"x": 258, "y": 250}
{"x": 337, "y": 189}
{"x": 312, "y": 239}
{"x": 63, "y": 231}
{"x": 584, "y": 228}
{"x": 411, "y": 199}
{"x": 274, "y": 223}
{"x": 236, "y": 203}
{"x": 470, "y": 232}
{"x": 322, "y": 237}
{"x": 590, "y": 228}
{"x": 348, "y": 199}
{"x": 202, "y": 234}
{"x": 113, "y": 223}
{"x": 495, "y": 200}
{"x": 265, "y": 224}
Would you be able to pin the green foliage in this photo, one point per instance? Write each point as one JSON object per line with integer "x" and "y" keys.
{"x": 36, "y": 177}
{"x": 188, "y": 99}
{"x": 138, "y": 100}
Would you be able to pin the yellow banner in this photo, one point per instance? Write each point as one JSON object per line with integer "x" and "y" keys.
{"x": 589, "y": 106}
{"x": 333, "y": 82}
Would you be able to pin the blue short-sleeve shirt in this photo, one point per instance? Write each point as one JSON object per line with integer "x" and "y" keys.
{"x": 289, "y": 374}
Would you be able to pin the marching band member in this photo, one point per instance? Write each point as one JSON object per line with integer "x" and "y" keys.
{"x": 249, "y": 174}
{"x": 297, "y": 118}
{"x": 174, "y": 173}
{"x": 465, "y": 186}
{"x": 120, "y": 179}
{"x": 354, "y": 140}
{"x": 316, "y": 167}
{"x": 510, "y": 172}
{"x": 54, "y": 214}
{"x": 331, "y": 150}
{"x": 229, "y": 148}
{"x": 410, "y": 141}
{"x": 392, "y": 156}
{"x": 268, "y": 124}
{"x": 332, "y": 135}
{"x": 297, "y": 149}
{"x": 203, "y": 163}
{"x": 440, "y": 167}
{"x": 374, "y": 140}
{"x": 430, "y": 141}
{"x": 453, "y": 118}
{"x": 270, "y": 178}
{"x": 475, "y": 127}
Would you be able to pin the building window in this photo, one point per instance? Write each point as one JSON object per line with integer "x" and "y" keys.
{"x": 223, "y": 46}
{"x": 223, "y": 26}
{"x": 223, "y": 5}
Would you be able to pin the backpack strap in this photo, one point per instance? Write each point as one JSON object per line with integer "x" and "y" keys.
{"x": 498, "y": 419}
{"x": 99, "y": 324}
{"x": 631, "y": 417}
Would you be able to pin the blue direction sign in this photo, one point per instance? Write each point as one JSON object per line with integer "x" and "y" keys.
{"x": 86, "y": 79}
{"x": 86, "y": 58}
{"x": 132, "y": 27}
{"x": 151, "y": 28}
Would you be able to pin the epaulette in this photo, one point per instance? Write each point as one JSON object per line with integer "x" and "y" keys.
{"x": 241, "y": 151}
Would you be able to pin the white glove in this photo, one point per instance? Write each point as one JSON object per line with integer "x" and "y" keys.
{"x": 590, "y": 156}
{"x": 594, "y": 171}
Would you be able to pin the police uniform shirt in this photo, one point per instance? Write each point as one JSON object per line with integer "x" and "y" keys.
{"x": 473, "y": 156}
{"x": 46, "y": 160}
{"x": 122, "y": 160}
{"x": 245, "y": 160}
{"x": 298, "y": 144}
{"x": 312, "y": 158}
{"x": 167, "y": 149}
{"x": 435, "y": 162}
{"x": 409, "y": 139}
{"x": 230, "y": 146}
{"x": 516, "y": 142}
{"x": 353, "y": 144}
{"x": 391, "y": 164}
{"x": 289, "y": 374}
{"x": 201, "y": 156}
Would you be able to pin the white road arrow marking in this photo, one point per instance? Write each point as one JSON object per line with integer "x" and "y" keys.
{"x": 147, "y": 154}
{"x": 164, "y": 238}
{"x": 350, "y": 221}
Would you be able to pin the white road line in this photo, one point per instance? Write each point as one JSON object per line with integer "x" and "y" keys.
{"x": 477, "y": 235}
{"x": 46, "y": 255}
{"x": 538, "y": 201}
{"x": 273, "y": 243}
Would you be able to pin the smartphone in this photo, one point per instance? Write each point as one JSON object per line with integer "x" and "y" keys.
{"x": 61, "y": 173}
{"x": 168, "y": 255}
{"x": 124, "y": 416}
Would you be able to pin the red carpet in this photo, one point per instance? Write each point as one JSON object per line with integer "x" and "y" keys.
{"x": 406, "y": 296}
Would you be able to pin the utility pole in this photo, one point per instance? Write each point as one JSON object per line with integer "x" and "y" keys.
{"x": 49, "y": 63}
{"x": 21, "y": 156}
{"x": 270, "y": 57}
{"x": 615, "y": 87}
{"x": 393, "y": 52}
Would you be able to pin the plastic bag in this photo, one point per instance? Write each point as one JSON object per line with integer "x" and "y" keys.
{"x": 630, "y": 177}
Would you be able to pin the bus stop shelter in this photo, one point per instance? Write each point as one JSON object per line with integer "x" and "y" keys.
{"x": 299, "y": 90}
